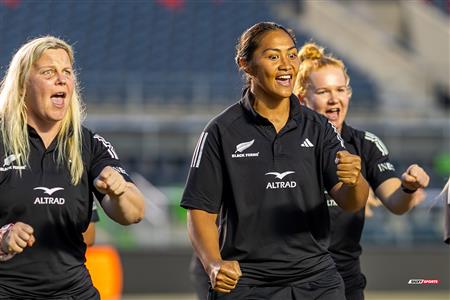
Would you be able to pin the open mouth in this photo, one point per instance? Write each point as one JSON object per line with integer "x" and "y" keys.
{"x": 284, "y": 80}
{"x": 58, "y": 99}
{"x": 333, "y": 114}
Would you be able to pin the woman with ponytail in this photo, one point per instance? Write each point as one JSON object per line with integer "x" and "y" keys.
{"x": 323, "y": 85}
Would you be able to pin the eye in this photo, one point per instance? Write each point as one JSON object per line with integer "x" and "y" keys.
{"x": 47, "y": 72}
{"x": 273, "y": 57}
{"x": 293, "y": 56}
{"x": 67, "y": 72}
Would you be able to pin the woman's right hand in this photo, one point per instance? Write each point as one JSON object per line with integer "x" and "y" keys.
{"x": 18, "y": 237}
{"x": 224, "y": 275}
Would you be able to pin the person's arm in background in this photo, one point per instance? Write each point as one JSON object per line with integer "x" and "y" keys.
{"x": 352, "y": 190}
{"x": 372, "y": 202}
{"x": 400, "y": 195}
{"x": 89, "y": 234}
{"x": 204, "y": 236}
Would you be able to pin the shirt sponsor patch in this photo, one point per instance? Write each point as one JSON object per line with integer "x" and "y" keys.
{"x": 280, "y": 184}
{"x": 385, "y": 167}
{"x": 44, "y": 200}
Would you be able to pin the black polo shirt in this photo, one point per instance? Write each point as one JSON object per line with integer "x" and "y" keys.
{"x": 59, "y": 212}
{"x": 268, "y": 188}
{"x": 346, "y": 228}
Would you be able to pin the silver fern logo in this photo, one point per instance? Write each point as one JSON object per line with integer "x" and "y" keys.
{"x": 10, "y": 163}
{"x": 240, "y": 148}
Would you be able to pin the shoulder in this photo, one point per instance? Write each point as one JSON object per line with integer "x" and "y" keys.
{"x": 349, "y": 133}
{"x": 226, "y": 118}
{"x": 89, "y": 136}
{"x": 316, "y": 119}
{"x": 375, "y": 142}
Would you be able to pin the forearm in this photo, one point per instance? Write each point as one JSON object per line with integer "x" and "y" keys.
{"x": 400, "y": 202}
{"x": 127, "y": 208}
{"x": 204, "y": 236}
{"x": 395, "y": 199}
{"x": 351, "y": 198}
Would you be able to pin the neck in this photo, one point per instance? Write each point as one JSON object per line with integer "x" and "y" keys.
{"x": 275, "y": 110}
{"x": 47, "y": 133}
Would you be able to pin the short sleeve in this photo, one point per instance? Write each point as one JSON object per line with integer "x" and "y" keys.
{"x": 332, "y": 144}
{"x": 102, "y": 155}
{"x": 376, "y": 158}
{"x": 204, "y": 184}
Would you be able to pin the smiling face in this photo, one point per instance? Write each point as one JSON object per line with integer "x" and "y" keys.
{"x": 49, "y": 89}
{"x": 329, "y": 94}
{"x": 273, "y": 66}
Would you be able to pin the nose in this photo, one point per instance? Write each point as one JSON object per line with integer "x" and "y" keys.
{"x": 334, "y": 97}
{"x": 61, "y": 78}
{"x": 285, "y": 64}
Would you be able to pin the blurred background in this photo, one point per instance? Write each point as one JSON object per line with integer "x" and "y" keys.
{"x": 154, "y": 72}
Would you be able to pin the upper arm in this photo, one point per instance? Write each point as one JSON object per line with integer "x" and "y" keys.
{"x": 205, "y": 180}
{"x": 102, "y": 155}
{"x": 379, "y": 168}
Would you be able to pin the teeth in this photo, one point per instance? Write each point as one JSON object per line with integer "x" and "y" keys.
{"x": 285, "y": 76}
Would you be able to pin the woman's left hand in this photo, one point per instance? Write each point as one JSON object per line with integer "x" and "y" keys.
{"x": 110, "y": 182}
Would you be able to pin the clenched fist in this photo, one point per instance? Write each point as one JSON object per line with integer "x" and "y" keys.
{"x": 415, "y": 178}
{"x": 348, "y": 167}
{"x": 18, "y": 237}
{"x": 110, "y": 182}
{"x": 224, "y": 275}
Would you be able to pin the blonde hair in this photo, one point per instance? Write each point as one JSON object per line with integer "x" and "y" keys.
{"x": 312, "y": 58}
{"x": 13, "y": 110}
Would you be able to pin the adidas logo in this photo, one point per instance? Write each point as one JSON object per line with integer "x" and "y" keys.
{"x": 307, "y": 143}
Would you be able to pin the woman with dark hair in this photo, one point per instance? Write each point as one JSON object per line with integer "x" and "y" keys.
{"x": 260, "y": 169}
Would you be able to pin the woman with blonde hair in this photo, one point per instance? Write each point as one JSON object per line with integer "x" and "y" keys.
{"x": 323, "y": 85}
{"x": 51, "y": 167}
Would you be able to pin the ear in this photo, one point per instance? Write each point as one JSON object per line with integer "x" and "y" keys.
{"x": 303, "y": 100}
{"x": 244, "y": 65}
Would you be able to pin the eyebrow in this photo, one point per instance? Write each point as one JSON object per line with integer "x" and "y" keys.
{"x": 338, "y": 86}
{"x": 278, "y": 50}
{"x": 52, "y": 67}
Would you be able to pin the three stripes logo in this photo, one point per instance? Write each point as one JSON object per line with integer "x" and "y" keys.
{"x": 378, "y": 143}
{"x": 107, "y": 145}
{"x": 338, "y": 135}
{"x": 307, "y": 143}
{"x": 198, "y": 152}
